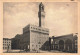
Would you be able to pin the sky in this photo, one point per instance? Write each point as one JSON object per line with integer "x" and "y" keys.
{"x": 60, "y": 17}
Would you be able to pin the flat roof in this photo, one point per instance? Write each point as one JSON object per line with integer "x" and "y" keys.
{"x": 6, "y": 39}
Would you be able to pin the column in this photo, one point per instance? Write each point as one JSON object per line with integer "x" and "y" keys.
{"x": 58, "y": 47}
{"x": 64, "y": 47}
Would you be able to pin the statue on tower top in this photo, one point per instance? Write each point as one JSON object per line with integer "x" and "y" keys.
{"x": 41, "y": 7}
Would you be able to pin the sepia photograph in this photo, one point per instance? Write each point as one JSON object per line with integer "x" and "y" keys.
{"x": 40, "y": 27}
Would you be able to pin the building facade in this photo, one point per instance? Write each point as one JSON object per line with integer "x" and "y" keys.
{"x": 35, "y": 38}
{"x": 67, "y": 43}
{"x": 6, "y": 44}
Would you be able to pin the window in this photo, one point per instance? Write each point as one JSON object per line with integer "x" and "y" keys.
{"x": 5, "y": 48}
{"x": 36, "y": 28}
{"x": 32, "y": 45}
{"x": 36, "y": 45}
{"x": 31, "y": 27}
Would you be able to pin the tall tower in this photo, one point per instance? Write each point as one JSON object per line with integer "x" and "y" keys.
{"x": 41, "y": 15}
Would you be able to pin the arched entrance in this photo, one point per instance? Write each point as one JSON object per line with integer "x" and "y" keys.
{"x": 61, "y": 45}
{"x": 68, "y": 45}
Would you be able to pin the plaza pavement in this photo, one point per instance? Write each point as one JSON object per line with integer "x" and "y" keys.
{"x": 40, "y": 51}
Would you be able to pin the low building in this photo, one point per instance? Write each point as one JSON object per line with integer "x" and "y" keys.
{"x": 6, "y": 44}
{"x": 67, "y": 43}
{"x": 16, "y": 41}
